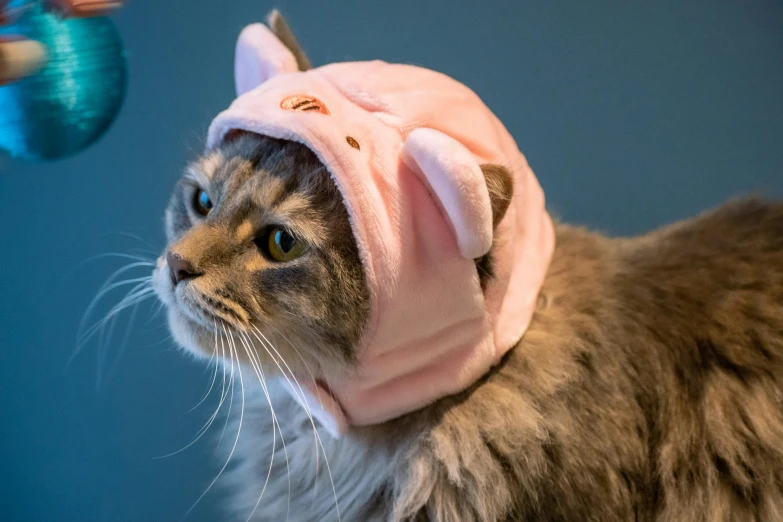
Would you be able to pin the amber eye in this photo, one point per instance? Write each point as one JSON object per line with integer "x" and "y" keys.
{"x": 283, "y": 246}
{"x": 201, "y": 202}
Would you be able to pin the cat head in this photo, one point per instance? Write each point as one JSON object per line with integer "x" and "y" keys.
{"x": 327, "y": 216}
{"x": 261, "y": 260}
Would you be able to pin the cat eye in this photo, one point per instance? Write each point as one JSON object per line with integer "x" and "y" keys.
{"x": 201, "y": 202}
{"x": 283, "y": 246}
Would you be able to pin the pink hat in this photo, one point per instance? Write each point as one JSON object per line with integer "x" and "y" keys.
{"x": 403, "y": 145}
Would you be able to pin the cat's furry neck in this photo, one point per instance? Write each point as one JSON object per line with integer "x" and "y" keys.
{"x": 647, "y": 388}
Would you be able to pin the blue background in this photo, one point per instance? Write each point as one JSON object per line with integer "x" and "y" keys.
{"x": 632, "y": 117}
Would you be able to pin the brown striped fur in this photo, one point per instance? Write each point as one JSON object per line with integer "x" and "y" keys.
{"x": 648, "y": 388}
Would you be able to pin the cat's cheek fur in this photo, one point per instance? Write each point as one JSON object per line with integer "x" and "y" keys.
{"x": 186, "y": 333}
{"x": 189, "y": 335}
{"x": 161, "y": 282}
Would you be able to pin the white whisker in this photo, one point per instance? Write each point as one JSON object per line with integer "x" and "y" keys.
{"x": 135, "y": 237}
{"x": 315, "y": 384}
{"x": 141, "y": 290}
{"x": 212, "y": 361}
{"x": 256, "y": 364}
{"x": 106, "y": 288}
{"x": 239, "y": 430}
{"x": 137, "y": 294}
{"x": 104, "y": 332}
{"x": 306, "y": 408}
{"x": 155, "y": 311}
{"x": 124, "y": 342}
{"x": 231, "y": 380}
{"x": 147, "y": 261}
{"x": 208, "y": 424}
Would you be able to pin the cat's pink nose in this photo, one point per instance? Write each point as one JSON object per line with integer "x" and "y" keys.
{"x": 180, "y": 268}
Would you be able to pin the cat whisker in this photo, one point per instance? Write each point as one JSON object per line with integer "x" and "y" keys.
{"x": 210, "y": 308}
{"x": 212, "y": 362}
{"x": 135, "y": 295}
{"x": 141, "y": 284}
{"x": 264, "y": 343}
{"x": 231, "y": 379}
{"x": 232, "y": 347}
{"x": 300, "y": 395}
{"x": 288, "y": 469}
{"x": 164, "y": 340}
{"x": 104, "y": 333}
{"x": 107, "y": 287}
{"x": 223, "y": 387}
{"x": 208, "y": 424}
{"x": 155, "y": 311}
{"x": 152, "y": 250}
{"x": 123, "y": 343}
{"x": 301, "y": 357}
{"x": 104, "y": 336}
{"x": 304, "y": 362}
{"x": 304, "y": 404}
{"x": 129, "y": 301}
{"x": 312, "y": 378}
{"x": 149, "y": 262}
{"x": 257, "y": 368}
{"x": 120, "y": 255}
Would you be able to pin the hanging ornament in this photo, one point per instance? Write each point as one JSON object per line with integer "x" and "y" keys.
{"x": 76, "y": 95}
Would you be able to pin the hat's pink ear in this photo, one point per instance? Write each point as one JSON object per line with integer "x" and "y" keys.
{"x": 260, "y": 55}
{"x": 452, "y": 173}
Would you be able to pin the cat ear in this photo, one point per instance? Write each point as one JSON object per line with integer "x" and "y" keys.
{"x": 280, "y": 28}
{"x": 456, "y": 179}
{"x": 262, "y": 53}
{"x": 500, "y": 184}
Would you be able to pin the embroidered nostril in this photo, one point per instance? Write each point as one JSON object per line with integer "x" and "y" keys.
{"x": 303, "y": 102}
{"x": 353, "y": 143}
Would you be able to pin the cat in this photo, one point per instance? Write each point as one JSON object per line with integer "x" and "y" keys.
{"x": 648, "y": 386}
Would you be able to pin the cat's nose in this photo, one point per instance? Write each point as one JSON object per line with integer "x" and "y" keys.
{"x": 180, "y": 268}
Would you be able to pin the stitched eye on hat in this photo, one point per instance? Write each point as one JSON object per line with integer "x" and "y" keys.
{"x": 303, "y": 102}
{"x": 353, "y": 143}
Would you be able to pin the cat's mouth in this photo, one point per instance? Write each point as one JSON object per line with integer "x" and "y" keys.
{"x": 207, "y": 311}
{"x": 195, "y": 317}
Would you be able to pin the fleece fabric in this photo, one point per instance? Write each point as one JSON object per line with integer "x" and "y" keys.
{"x": 404, "y": 146}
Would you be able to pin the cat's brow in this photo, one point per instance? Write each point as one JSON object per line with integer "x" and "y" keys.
{"x": 234, "y": 173}
{"x": 292, "y": 203}
{"x": 268, "y": 191}
{"x": 303, "y": 225}
{"x": 244, "y": 230}
{"x": 202, "y": 171}
{"x": 194, "y": 174}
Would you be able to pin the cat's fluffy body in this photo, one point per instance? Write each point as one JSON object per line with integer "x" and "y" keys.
{"x": 648, "y": 387}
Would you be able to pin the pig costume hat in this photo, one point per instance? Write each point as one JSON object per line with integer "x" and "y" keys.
{"x": 404, "y": 146}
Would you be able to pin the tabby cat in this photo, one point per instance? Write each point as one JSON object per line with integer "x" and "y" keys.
{"x": 648, "y": 387}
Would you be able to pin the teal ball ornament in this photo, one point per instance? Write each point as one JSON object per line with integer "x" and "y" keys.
{"x": 73, "y": 100}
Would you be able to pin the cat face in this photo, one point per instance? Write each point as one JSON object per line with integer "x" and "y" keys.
{"x": 261, "y": 263}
